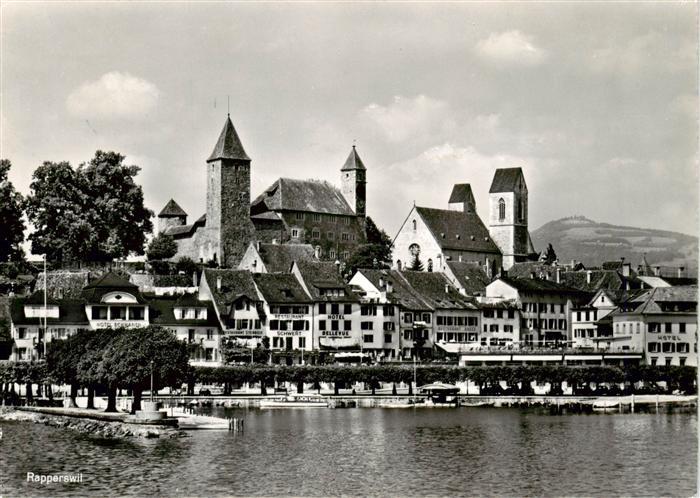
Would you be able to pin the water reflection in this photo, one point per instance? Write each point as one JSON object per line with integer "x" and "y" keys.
{"x": 320, "y": 452}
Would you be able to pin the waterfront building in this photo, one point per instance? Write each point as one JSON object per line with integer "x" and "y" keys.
{"x": 336, "y": 307}
{"x": 545, "y": 307}
{"x": 500, "y": 323}
{"x": 289, "y": 210}
{"x": 287, "y": 316}
{"x": 469, "y": 278}
{"x": 662, "y": 323}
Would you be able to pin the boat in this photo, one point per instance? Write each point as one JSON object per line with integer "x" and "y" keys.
{"x": 440, "y": 395}
{"x": 190, "y": 421}
{"x": 604, "y": 405}
{"x": 296, "y": 401}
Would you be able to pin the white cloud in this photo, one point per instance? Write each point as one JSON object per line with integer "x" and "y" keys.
{"x": 407, "y": 118}
{"x": 510, "y": 47}
{"x": 114, "y": 96}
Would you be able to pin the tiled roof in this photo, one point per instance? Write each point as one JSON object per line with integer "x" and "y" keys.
{"x": 71, "y": 311}
{"x": 600, "y": 279}
{"x": 538, "y": 285}
{"x": 612, "y": 265}
{"x": 676, "y": 281}
{"x": 401, "y": 292}
{"x": 436, "y": 290}
{"x": 188, "y": 300}
{"x": 161, "y": 311}
{"x": 353, "y": 161}
{"x": 457, "y": 230}
{"x": 110, "y": 282}
{"x": 461, "y": 192}
{"x": 278, "y": 258}
{"x": 314, "y": 196}
{"x": 180, "y": 231}
{"x": 280, "y": 288}
{"x": 505, "y": 180}
{"x": 470, "y": 277}
{"x": 228, "y": 146}
{"x": 234, "y": 283}
{"x": 319, "y": 275}
{"x": 172, "y": 209}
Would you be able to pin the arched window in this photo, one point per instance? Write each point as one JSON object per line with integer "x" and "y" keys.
{"x": 430, "y": 265}
{"x": 398, "y": 264}
{"x": 414, "y": 225}
{"x": 501, "y": 209}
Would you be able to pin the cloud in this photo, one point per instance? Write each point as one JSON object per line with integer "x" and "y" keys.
{"x": 510, "y": 47}
{"x": 114, "y": 96}
{"x": 407, "y": 118}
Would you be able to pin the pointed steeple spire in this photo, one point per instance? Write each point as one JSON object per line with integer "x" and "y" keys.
{"x": 353, "y": 161}
{"x": 172, "y": 209}
{"x": 228, "y": 146}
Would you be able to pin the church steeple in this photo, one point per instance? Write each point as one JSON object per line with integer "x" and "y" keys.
{"x": 228, "y": 146}
{"x": 353, "y": 161}
{"x": 353, "y": 178}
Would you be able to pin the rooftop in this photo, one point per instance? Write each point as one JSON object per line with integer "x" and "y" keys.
{"x": 458, "y": 230}
{"x": 172, "y": 209}
{"x": 228, "y": 146}
{"x": 353, "y": 161}
{"x": 278, "y": 258}
{"x": 314, "y": 196}
{"x": 506, "y": 180}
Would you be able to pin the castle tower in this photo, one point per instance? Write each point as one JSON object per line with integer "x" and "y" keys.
{"x": 171, "y": 215}
{"x": 508, "y": 215}
{"x": 229, "y": 229}
{"x": 353, "y": 179}
{"x": 462, "y": 199}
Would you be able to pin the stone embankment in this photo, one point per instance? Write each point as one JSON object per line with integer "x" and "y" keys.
{"x": 97, "y": 428}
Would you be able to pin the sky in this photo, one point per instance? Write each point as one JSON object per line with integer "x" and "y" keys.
{"x": 597, "y": 102}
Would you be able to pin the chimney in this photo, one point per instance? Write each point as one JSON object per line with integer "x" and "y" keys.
{"x": 680, "y": 271}
{"x": 558, "y": 275}
{"x": 573, "y": 264}
{"x": 257, "y": 245}
{"x": 488, "y": 267}
{"x": 194, "y": 278}
{"x": 588, "y": 276}
{"x": 657, "y": 270}
{"x": 218, "y": 283}
{"x": 447, "y": 289}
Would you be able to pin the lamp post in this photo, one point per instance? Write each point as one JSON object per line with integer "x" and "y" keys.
{"x": 151, "y": 380}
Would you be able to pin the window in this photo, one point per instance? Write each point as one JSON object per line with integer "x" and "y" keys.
{"x": 321, "y": 324}
{"x": 501, "y": 210}
{"x": 653, "y": 362}
{"x": 368, "y": 338}
{"x": 316, "y": 217}
{"x": 210, "y": 334}
{"x": 295, "y": 233}
{"x": 488, "y": 313}
{"x": 511, "y": 314}
{"x": 322, "y": 309}
{"x": 521, "y": 210}
{"x": 408, "y": 317}
{"x": 668, "y": 361}
{"x": 117, "y": 313}
{"x": 367, "y": 325}
{"x": 653, "y": 347}
{"x": 508, "y": 328}
{"x": 638, "y": 327}
{"x": 683, "y": 347}
{"x": 668, "y": 347}
{"x": 99, "y": 312}
{"x": 430, "y": 265}
{"x": 138, "y": 314}
{"x": 344, "y": 236}
{"x": 299, "y": 325}
{"x": 387, "y": 338}
{"x": 426, "y": 317}
{"x": 299, "y": 216}
{"x": 681, "y": 328}
{"x": 22, "y": 333}
{"x": 368, "y": 310}
{"x": 316, "y": 234}
{"x": 302, "y": 342}
{"x": 330, "y": 235}
{"x": 681, "y": 360}
{"x": 335, "y": 309}
{"x": 334, "y": 325}
{"x": 493, "y": 328}
{"x": 654, "y": 327}
{"x": 389, "y": 326}
{"x": 388, "y": 310}
{"x": 414, "y": 225}
{"x": 331, "y": 253}
{"x": 346, "y": 221}
{"x": 347, "y": 325}
{"x": 347, "y": 309}
{"x": 668, "y": 328}
{"x": 345, "y": 255}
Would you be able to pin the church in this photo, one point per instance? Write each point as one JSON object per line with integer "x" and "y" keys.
{"x": 430, "y": 239}
{"x": 294, "y": 211}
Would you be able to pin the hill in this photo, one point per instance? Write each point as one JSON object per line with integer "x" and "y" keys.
{"x": 593, "y": 243}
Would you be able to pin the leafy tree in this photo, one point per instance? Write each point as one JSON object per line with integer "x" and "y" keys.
{"x": 185, "y": 265}
{"x": 6, "y": 340}
{"x": 90, "y": 370}
{"x": 376, "y": 253}
{"x": 161, "y": 247}
{"x": 11, "y": 223}
{"x": 131, "y": 356}
{"x": 549, "y": 256}
{"x": 91, "y": 213}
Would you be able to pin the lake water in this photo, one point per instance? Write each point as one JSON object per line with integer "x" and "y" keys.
{"x": 320, "y": 452}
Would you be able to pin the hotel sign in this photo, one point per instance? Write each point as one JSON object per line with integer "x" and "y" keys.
{"x": 119, "y": 323}
{"x": 336, "y": 317}
{"x": 456, "y": 328}
{"x": 335, "y": 333}
{"x": 669, "y": 338}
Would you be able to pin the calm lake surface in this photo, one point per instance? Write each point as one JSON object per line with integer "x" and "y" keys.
{"x": 320, "y": 452}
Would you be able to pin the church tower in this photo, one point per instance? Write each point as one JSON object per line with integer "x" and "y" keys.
{"x": 228, "y": 222}
{"x": 353, "y": 179}
{"x": 508, "y": 215}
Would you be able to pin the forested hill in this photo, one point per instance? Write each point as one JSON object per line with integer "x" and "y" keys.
{"x": 593, "y": 243}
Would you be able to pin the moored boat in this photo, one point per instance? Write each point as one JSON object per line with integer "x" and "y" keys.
{"x": 296, "y": 401}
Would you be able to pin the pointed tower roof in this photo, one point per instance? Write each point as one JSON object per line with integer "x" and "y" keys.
{"x": 172, "y": 210}
{"x": 645, "y": 267}
{"x": 461, "y": 192}
{"x": 506, "y": 180}
{"x": 228, "y": 146}
{"x": 353, "y": 161}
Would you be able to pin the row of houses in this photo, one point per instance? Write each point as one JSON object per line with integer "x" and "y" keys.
{"x": 389, "y": 315}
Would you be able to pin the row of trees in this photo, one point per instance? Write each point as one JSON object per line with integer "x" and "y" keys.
{"x": 517, "y": 379}
{"x": 106, "y": 360}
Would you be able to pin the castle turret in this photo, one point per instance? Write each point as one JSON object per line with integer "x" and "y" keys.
{"x": 171, "y": 215}
{"x": 508, "y": 215}
{"x": 228, "y": 199}
{"x": 353, "y": 177}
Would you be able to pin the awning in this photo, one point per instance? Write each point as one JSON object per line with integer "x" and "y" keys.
{"x": 485, "y": 357}
{"x": 622, "y": 357}
{"x": 598, "y": 357}
{"x": 537, "y": 357}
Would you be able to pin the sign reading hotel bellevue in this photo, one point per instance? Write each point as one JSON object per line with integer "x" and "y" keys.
{"x": 335, "y": 333}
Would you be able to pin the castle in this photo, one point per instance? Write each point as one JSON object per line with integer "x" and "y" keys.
{"x": 293, "y": 211}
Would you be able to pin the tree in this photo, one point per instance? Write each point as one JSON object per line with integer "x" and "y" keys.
{"x": 11, "y": 223}
{"x": 135, "y": 353}
{"x": 162, "y": 247}
{"x": 92, "y": 213}
{"x": 185, "y": 265}
{"x": 6, "y": 340}
{"x": 549, "y": 256}
{"x": 376, "y": 253}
